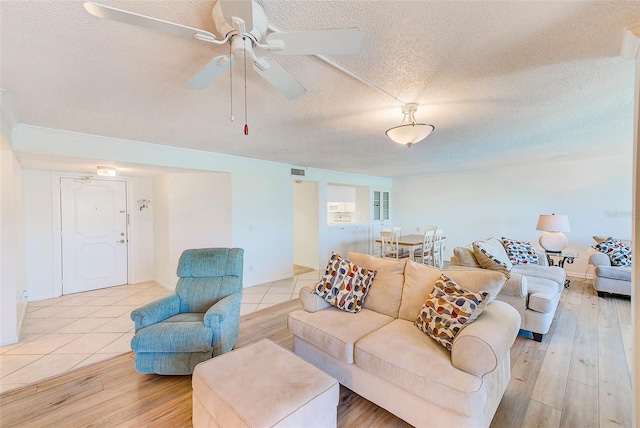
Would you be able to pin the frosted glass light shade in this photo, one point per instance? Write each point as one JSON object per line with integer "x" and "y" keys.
{"x": 409, "y": 132}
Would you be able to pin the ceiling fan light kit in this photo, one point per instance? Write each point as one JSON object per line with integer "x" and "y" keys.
{"x": 409, "y": 131}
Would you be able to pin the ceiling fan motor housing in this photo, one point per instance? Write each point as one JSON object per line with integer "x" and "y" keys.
{"x": 257, "y": 34}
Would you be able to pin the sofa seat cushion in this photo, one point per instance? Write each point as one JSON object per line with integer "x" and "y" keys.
{"x": 176, "y": 334}
{"x": 542, "y": 293}
{"x": 336, "y": 331}
{"x": 614, "y": 272}
{"x": 403, "y": 355}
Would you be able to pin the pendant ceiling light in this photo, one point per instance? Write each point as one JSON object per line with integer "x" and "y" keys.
{"x": 409, "y": 132}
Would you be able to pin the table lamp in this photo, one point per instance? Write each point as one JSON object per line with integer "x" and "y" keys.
{"x": 553, "y": 240}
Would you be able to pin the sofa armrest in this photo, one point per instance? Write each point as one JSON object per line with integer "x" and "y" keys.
{"x": 480, "y": 346}
{"x": 156, "y": 311}
{"x": 515, "y": 286}
{"x": 599, "y": 259}
{"x": 542, "y": 258}
{"x": 553, "y": 273}
{"x": 312, "y": 302}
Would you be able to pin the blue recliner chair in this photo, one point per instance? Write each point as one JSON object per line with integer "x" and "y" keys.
{"x": 198, "y": 322}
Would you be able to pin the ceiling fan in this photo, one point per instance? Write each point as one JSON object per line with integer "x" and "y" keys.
{"x": 244, "y": 26}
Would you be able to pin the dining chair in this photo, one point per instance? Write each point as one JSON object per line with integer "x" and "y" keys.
{"x": 438, "y": 248}
{"x": 390, "y": 247}
{"x": 397, "y": 230}
{"x": 425, "y": 254}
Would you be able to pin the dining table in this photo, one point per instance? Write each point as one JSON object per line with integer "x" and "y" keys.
{"x": 411, "y": 243}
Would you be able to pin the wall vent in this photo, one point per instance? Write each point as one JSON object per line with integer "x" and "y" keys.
{"x": 298, "y": 172}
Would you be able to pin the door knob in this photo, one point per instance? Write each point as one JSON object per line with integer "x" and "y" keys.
{"x": 120, "y": 241}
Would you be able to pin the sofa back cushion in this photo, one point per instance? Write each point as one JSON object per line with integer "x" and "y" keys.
{"x": 419, "y": 281}
{"x": 491, "y": 254}
{"x": 464, "y": 256}
{"x": 386, "y": 291}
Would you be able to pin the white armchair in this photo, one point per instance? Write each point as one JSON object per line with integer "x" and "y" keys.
{"x": 608, "y": 278}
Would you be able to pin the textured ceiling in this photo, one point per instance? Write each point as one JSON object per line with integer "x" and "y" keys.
{"x": 503, "y": 82}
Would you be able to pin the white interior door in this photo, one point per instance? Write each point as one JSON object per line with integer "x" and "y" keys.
{"x": 94, "y": 234}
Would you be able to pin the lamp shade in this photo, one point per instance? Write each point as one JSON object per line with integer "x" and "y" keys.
{"x": 553, "y": 223}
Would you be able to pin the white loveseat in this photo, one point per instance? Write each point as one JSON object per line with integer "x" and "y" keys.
{"x": 534, "y": 290}
{"x": 381, "y": 355}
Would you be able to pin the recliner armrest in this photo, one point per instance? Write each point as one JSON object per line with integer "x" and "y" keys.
{"x": 480, "y": 346}
{"x": 312, "y": 302}
{"x": 217, "y": 313}
{"x": 155, "y": 311}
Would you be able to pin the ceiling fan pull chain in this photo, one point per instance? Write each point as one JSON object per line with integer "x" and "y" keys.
{"x": 231, "y": 82}
{"x": 246, "y": 126}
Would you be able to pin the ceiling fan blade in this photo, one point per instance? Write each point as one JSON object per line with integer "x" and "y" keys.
{"x": 317, "y": 42}
{"x": 279, "y": 78}
{"x": 102, "y": 11}
{"x": 242, "y": 9}
{"x": 209, "y": 72}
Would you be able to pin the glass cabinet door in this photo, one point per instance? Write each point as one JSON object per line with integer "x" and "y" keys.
{"x": 385, "y": 205}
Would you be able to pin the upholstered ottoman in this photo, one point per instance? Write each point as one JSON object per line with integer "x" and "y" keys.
{"x": 263, "y": 385}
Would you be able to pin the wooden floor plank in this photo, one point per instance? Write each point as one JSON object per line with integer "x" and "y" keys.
{"x": 584, "y": 360}
{"x": 614, "y": 393}
{"x": 514, "y": 404}
{"x": 580, "y": 406}
{"x": 541, "y": 415}
{"x": 551, "y": 383}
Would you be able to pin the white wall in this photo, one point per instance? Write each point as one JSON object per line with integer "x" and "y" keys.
{"x": 141, "y": 229}
{"x": 39, "y": 227}
{"x": 197, "y": 214}
{"x": 161, "y": 246}
{"x": 12, "y": 247}
{"x": 306, "y": 211}
{"x": 596, "y": 194}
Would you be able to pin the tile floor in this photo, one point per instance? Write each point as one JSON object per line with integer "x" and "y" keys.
{"x": 75, "y": 330}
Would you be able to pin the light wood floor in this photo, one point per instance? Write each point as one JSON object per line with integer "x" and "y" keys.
{"x": 579, "y": 376}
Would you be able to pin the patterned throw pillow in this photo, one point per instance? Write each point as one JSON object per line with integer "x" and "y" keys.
{"x": 619, "y": 254}
{"x": 520, "y": 252}
{"x": 448, "y": 309}
{"x": 488, "y": 259}
{"x": 344, "y": 284}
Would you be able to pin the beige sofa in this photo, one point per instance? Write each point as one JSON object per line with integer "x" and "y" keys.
{"x": 381, "y": 355}
{"x": 534, "y": 290}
